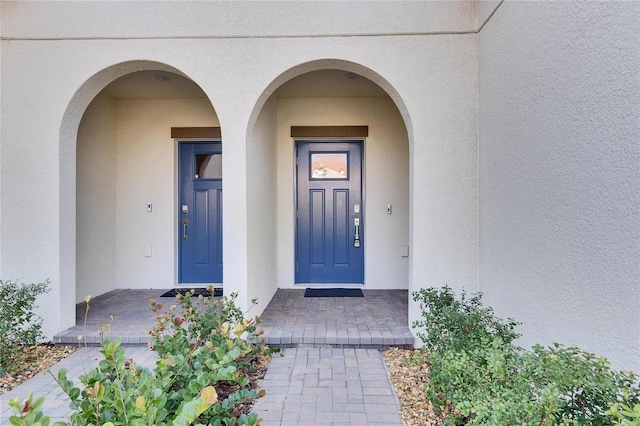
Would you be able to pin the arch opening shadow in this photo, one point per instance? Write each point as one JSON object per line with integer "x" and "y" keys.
{"x": 118, "y": 179}
{"x": 327, "y": 93}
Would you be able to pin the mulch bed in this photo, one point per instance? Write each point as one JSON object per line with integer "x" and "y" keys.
{"x": 255, "y": 377}
{"x": 409, "y": 379}
{"x": 37, "y": 358}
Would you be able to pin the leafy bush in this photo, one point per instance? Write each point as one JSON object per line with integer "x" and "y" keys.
{"x": 477, "y": 370}
{"x": 625, "y": 415}
{"x": 217, "y": 321}
{"x": 209, "y": 340}
{"x": 486, "y": 387}
{"x": 117, "y": 392}
{"x": 454, "y": 324}
{"x": 30, "y": 413}
{"x": 205, "y": 352}
{"x": 586, "y": 384}
{"x": 19, "y": 325}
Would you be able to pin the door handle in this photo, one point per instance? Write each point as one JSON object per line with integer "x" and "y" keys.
{"x": 356, "y": 239}
{"x": 185, "y": 222}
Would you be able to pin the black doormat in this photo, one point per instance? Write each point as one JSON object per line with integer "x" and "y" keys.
{"x": 333, "y": 292}
{"x": 217, "y": 292}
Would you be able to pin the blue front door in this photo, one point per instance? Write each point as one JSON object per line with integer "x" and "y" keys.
{"x": 200, "y": 212}
{"x": 329, "y": 227}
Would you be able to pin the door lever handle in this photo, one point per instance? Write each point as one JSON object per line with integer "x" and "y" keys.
{"x": 185, "y": 222}
{"x": 356, "y": 239}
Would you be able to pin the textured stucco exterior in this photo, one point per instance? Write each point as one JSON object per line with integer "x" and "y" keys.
{"x": 96, "y": 199}
{"x": 559, "y": 172}
{"x": 514, "y": 127}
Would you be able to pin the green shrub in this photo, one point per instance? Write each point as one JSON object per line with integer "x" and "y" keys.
{"x": 586, "y": 384}
{"x": 625, "y": 415}
{"x": 30, "y": 413}
{"x": 118, "y": 392}
{"x": 19, "y": 325}
{"x": 210, "y": 342}
{"x": 456, "y": 324}
{"x": 205, "y": 351}
{"x": 217, "y": 321}
{"x": 486, "y": 386}
{"x": 476, "y": 368}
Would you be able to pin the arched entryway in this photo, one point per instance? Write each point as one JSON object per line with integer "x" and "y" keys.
{"x": 325, "y": 102}
{"x": 121, "y": 163}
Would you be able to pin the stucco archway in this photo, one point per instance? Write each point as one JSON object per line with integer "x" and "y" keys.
{"x": 326, "y": 64}
{"x": 270, "y": 153}
{"x": 84, "y": 120}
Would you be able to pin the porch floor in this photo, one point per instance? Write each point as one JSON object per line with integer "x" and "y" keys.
{"x": 377, "y": 320}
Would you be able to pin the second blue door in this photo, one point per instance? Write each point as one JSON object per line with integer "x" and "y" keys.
{"x": 329, "y": 226}
{"x": 200, "y": 213}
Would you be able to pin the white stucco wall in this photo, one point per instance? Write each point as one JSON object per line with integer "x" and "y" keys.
{"x": 262, "y": 189}
{"x": 1, "y": 134}
{"x": 127, "y": 158}
{"x": 30, "y": 188}
{"x": 47, "y": 85}
{"x": 484, "y": 10}
{"x": 146, "y": 173}
{"x": 535, "y": 203}
{"x": 233, "y": 19}
{"x": 96, "y": 199}
{"x": 559, "y": 173}
{"x": 386, "y": 181}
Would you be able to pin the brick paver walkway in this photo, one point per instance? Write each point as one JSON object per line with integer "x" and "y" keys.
{"x": 379, "y": 319}
{"x": 332, "y": 372}
{"x": 43, "y": 383}
{"x": 328, "y": 386}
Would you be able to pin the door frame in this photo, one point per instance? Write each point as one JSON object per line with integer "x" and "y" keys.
{"x": 176, "y": 209}
{"x": 363, "y": 203}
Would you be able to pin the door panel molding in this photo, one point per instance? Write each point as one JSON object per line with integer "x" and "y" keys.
{"x": 199, "y": 213}
{"x": 328, "y": 188}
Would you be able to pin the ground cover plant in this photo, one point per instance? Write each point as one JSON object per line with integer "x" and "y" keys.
{"x": 206, "y": 353}
{"x": 478, "y": 376}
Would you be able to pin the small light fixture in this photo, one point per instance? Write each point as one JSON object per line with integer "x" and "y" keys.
{"x": 351, "y": 76}
{"x": 162, "y": 78}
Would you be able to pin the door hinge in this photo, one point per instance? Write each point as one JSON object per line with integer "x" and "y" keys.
{"x": 296, "y": 266}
